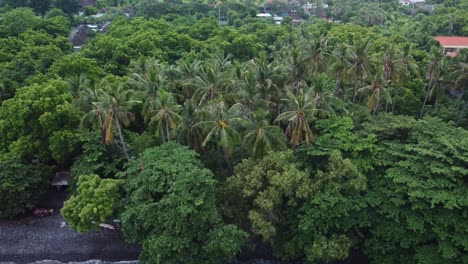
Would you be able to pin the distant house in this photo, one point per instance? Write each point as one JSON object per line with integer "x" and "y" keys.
{"x": 412, "y": 2}
{"x": 264, "y": 15}
{"x": 452, "y": 45}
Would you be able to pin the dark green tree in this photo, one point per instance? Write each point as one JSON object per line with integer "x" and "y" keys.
{"x": 171, "y": 209}
{"x": 21, "y": 185}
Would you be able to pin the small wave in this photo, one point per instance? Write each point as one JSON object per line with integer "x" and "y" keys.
{"x": 94, "y": 261}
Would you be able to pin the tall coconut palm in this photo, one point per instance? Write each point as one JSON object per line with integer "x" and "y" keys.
{"x": 433, "y": 70}
{"x": 209, "y": 84}
{"x": 163, "y": 112}
{"x": 438, "y": 87}
{"x": 392, "y": 67}
{"x": 260, "y": 137}
{"x": 151, "y": 79}
{"x": 219, "y": 123}
{"x": 460, "y": 75}
{"x": 299, "y": 115}
{"x": 321, "y": 96}
{"x": 315, "y": 54}
{"x": 188, "y": 132}
{"x": 376, "y": 91}
{"x": 77, "y": 83}
{"x": 188, "y": 72}
{"x": 409, "y": 67}
{"x": 360, "y": 59}
{"x": 266, "y": 74}
{"x": 109, "y": 110}
{"x": 340, "y": 63}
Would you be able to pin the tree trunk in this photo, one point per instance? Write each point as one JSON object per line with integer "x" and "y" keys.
{"x": 460, "y": 117}
{"x": 421, "y": 114}
{"x": 355, "y": 92}
{"x": 337, "y": 87}
{"x": 167, "y": 131}
{"x": 376, "y": 108}
{"x": 395, "y": 97}
{"x": 124, "y": 148}
{"x": 161, "y": 132}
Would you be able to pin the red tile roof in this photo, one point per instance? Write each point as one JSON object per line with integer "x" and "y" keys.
{"x": 452, "y": 41}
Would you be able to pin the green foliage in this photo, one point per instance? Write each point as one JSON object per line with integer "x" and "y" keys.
{"x": 34, "y": 116}
{"x": 96, "y": 157}
{"x": 329, "y": 218}
{"x": 171, "y": 209}
{"x": 21, "y": 185}
{"x": 420, "y": 202}
{"x": 17, "y": 21}
{"x": 261, "y": 190}
{"x": 390, "y": 127}
{"x": 95, "y": 201}
{"x": 337, "y": 135}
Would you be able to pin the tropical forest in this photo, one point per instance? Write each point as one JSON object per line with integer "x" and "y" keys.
{"x": 314, "y": 131}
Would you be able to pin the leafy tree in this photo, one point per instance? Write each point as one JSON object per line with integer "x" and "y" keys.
{"x": 171, "y": 209}
{"x": 36, "y": 121}
{"x": 21, "y": 185}
{"x": 70, "y": 7}
{"x": 337, "y": 134}
{"x": 96, "y": 157}
{"x": 95, "y": 201}
{"x": 419, "y": 203}
{"x": 329, "y": 218}
{"x": 18, "y": 20}
{"x": 259, "y": 192}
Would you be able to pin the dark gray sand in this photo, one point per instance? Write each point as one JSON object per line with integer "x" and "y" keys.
{"x": 33, "y": 239}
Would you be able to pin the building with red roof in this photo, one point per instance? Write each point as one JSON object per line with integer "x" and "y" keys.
{"x": 452, "y": 45}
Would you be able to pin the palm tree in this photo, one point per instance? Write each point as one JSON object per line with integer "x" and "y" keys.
{"x": 188, "y": 72}
{"x": 208, "y": 84}
{"x": 260, "y": 135}
{"x": 301, "y": 112}
{"x": 111, "y": 108}
{"x": 321, "y": 96}
{"x": 339, "y": 66}
{"x": 151, "y": 79}
{"x": 437, "y": 89}
{"x": 188, "y": 132}
{"x": 433, "y": 70}
{"x": 219, "y": 125}
{"x": 360, "y": 62}
{"x": 460, "y": 75}
{"x": 163, "y": 111}
{"x": 265, "y": 74}
{"x": 392, "y": 67}
{"x": 409, "y": 67}
{"x": 315, "y": 54}
{"x": 77, "y": 83}
{"x": 377, "y": 92}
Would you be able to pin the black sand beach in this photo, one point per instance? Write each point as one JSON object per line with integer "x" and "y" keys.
{"x": 28, "y": 239}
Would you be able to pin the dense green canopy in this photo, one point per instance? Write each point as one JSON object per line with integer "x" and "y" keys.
{"x": 210, "y": 132}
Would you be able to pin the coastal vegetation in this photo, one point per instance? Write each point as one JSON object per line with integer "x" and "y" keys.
{"x": 209, "y": 132}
